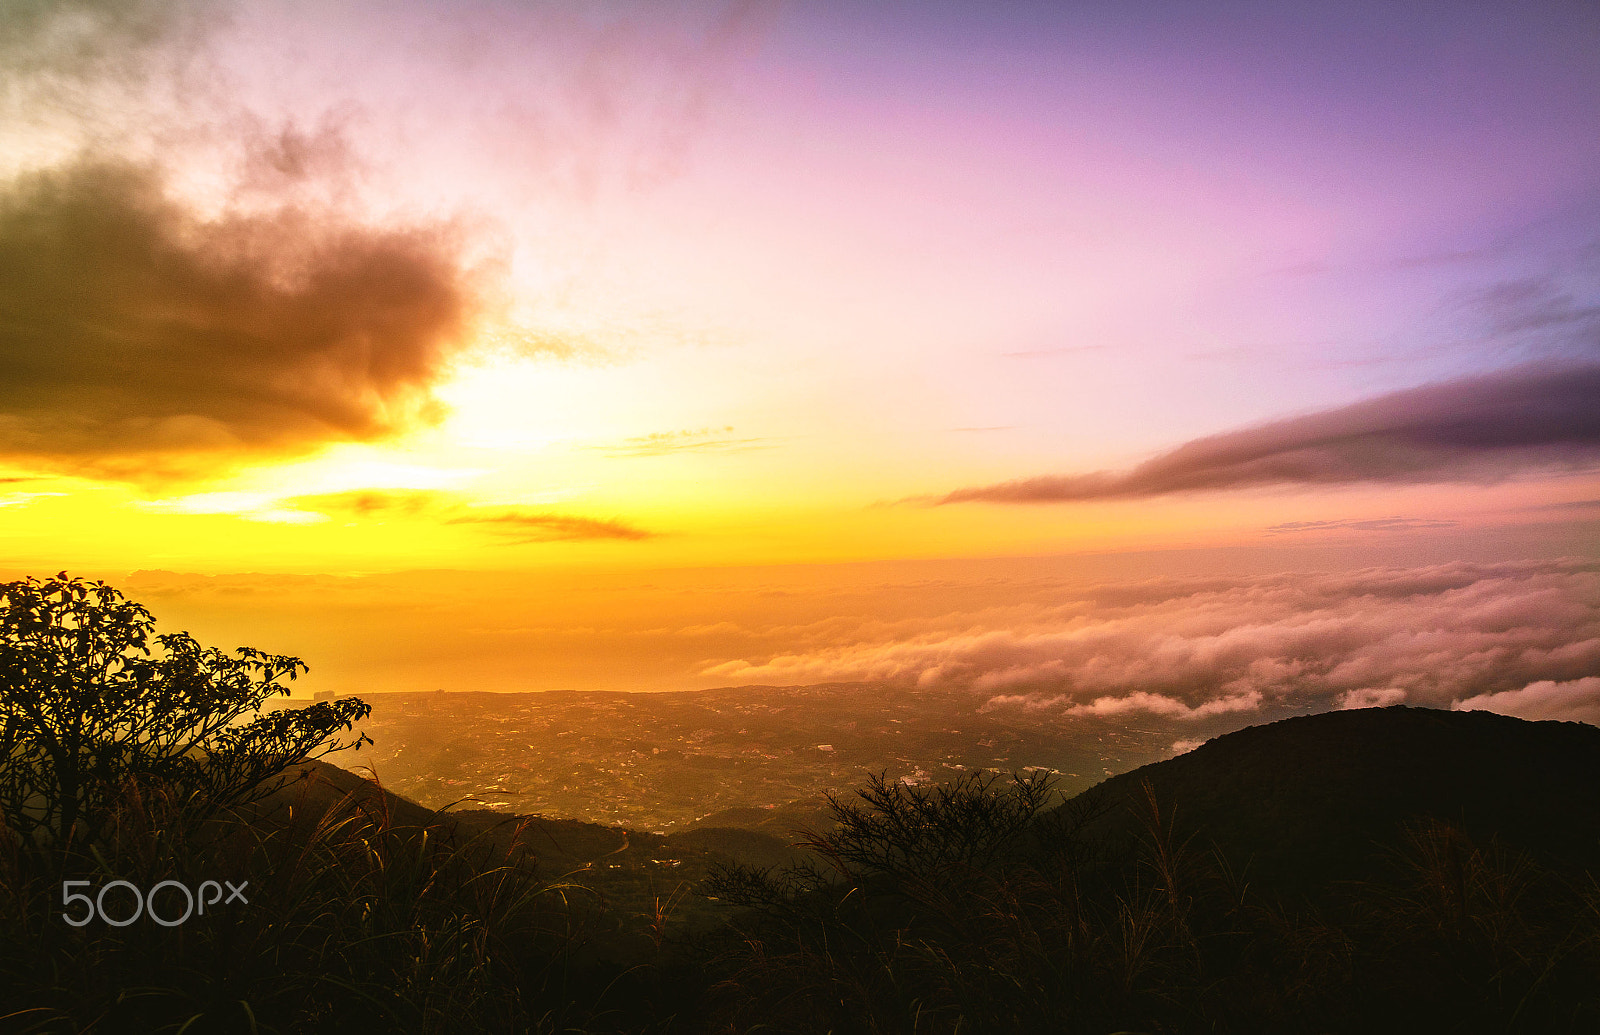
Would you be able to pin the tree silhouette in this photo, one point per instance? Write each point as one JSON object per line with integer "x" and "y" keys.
{"x": 92, "y": 699}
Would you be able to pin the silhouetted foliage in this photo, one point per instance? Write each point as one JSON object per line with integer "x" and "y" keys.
{"x": 91, "y": 699}
{"x": 967, "y": 908}
{"x": 354, "y": 923}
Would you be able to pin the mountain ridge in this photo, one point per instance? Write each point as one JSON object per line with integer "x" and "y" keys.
{"x": 1322, "y": 797}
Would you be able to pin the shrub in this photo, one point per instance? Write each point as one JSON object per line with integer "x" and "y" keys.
{"x": 92, "y": 698}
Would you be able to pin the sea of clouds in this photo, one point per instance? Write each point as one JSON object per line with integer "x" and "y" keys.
{"x": 1521, "y": 638}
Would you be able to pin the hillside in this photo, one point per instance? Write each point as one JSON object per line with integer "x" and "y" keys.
{"x": 562, "y": 846}
{"x": 1294, "y": 804}
{"x": 630, "y": 873}
{"x": 1322, "y": 798}
{"x": 1393, "y": 870}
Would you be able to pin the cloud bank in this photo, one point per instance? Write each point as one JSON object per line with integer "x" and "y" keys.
{"x": 1576, "y": 700}
{"x": 1472, "y": 429}
{"x": 1521, "y": 637}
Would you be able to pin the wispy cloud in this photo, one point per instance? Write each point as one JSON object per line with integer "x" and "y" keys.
{"x": 1567, "y": 505}
{"x": 530, "y": 526}
{"x": 1389, "y": 524}
{"x": 1478, "y": 428}
{"x": 22, "y": 499}
{"x": 49, "y": 50}
{"x": 666, "y": 443}
{"x": 362, "y": 503}
{"x": 1532, "y": 304}
{"x": 251, "y": 506}
{"x": 1421, "y": 260}
{"x": 1142, "y": 703}
{"x": 512, "y": 524}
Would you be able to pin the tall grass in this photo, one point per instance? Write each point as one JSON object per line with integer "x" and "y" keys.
{"x": 908, "y": 929}
{"x": 979, "y": 906}
{"x": 353, "y": 923}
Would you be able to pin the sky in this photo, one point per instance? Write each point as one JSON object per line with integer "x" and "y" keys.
{"x": 520, "y": 345}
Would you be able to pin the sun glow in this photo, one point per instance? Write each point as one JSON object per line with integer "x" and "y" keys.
{"x": 614, "y": 296}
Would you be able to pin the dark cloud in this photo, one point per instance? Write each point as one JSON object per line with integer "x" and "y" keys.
{"x": 1478, "y": 428}
{"x": 140, "y": 342}
{"x": 144, "y": 337}
{"x": 1390, "y": 524}
{"x": 528, "y": 526}
{"x": 512, "y": 524}
{"x": 1437, "y": 636}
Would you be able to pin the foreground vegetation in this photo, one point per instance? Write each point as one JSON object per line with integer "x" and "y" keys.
{"x": 969, "y": 908}
{"x": 1277, "y": 879}
{"x": 972, "y": 907}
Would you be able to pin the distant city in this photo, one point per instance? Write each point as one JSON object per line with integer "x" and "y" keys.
{"x": 665, "y": 761}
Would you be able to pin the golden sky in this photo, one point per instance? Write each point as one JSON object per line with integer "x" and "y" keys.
{"x": 561, "y": 294}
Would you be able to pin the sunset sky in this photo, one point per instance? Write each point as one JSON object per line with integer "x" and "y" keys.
{"x": 519, "y": 345}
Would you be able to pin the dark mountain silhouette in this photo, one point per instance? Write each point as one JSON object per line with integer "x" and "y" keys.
{"x": 312, "y": 788}
{"x": 1299, "y": 803}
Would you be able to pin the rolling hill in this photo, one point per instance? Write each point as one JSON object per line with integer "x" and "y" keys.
{"x": 1319, "y": 798}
